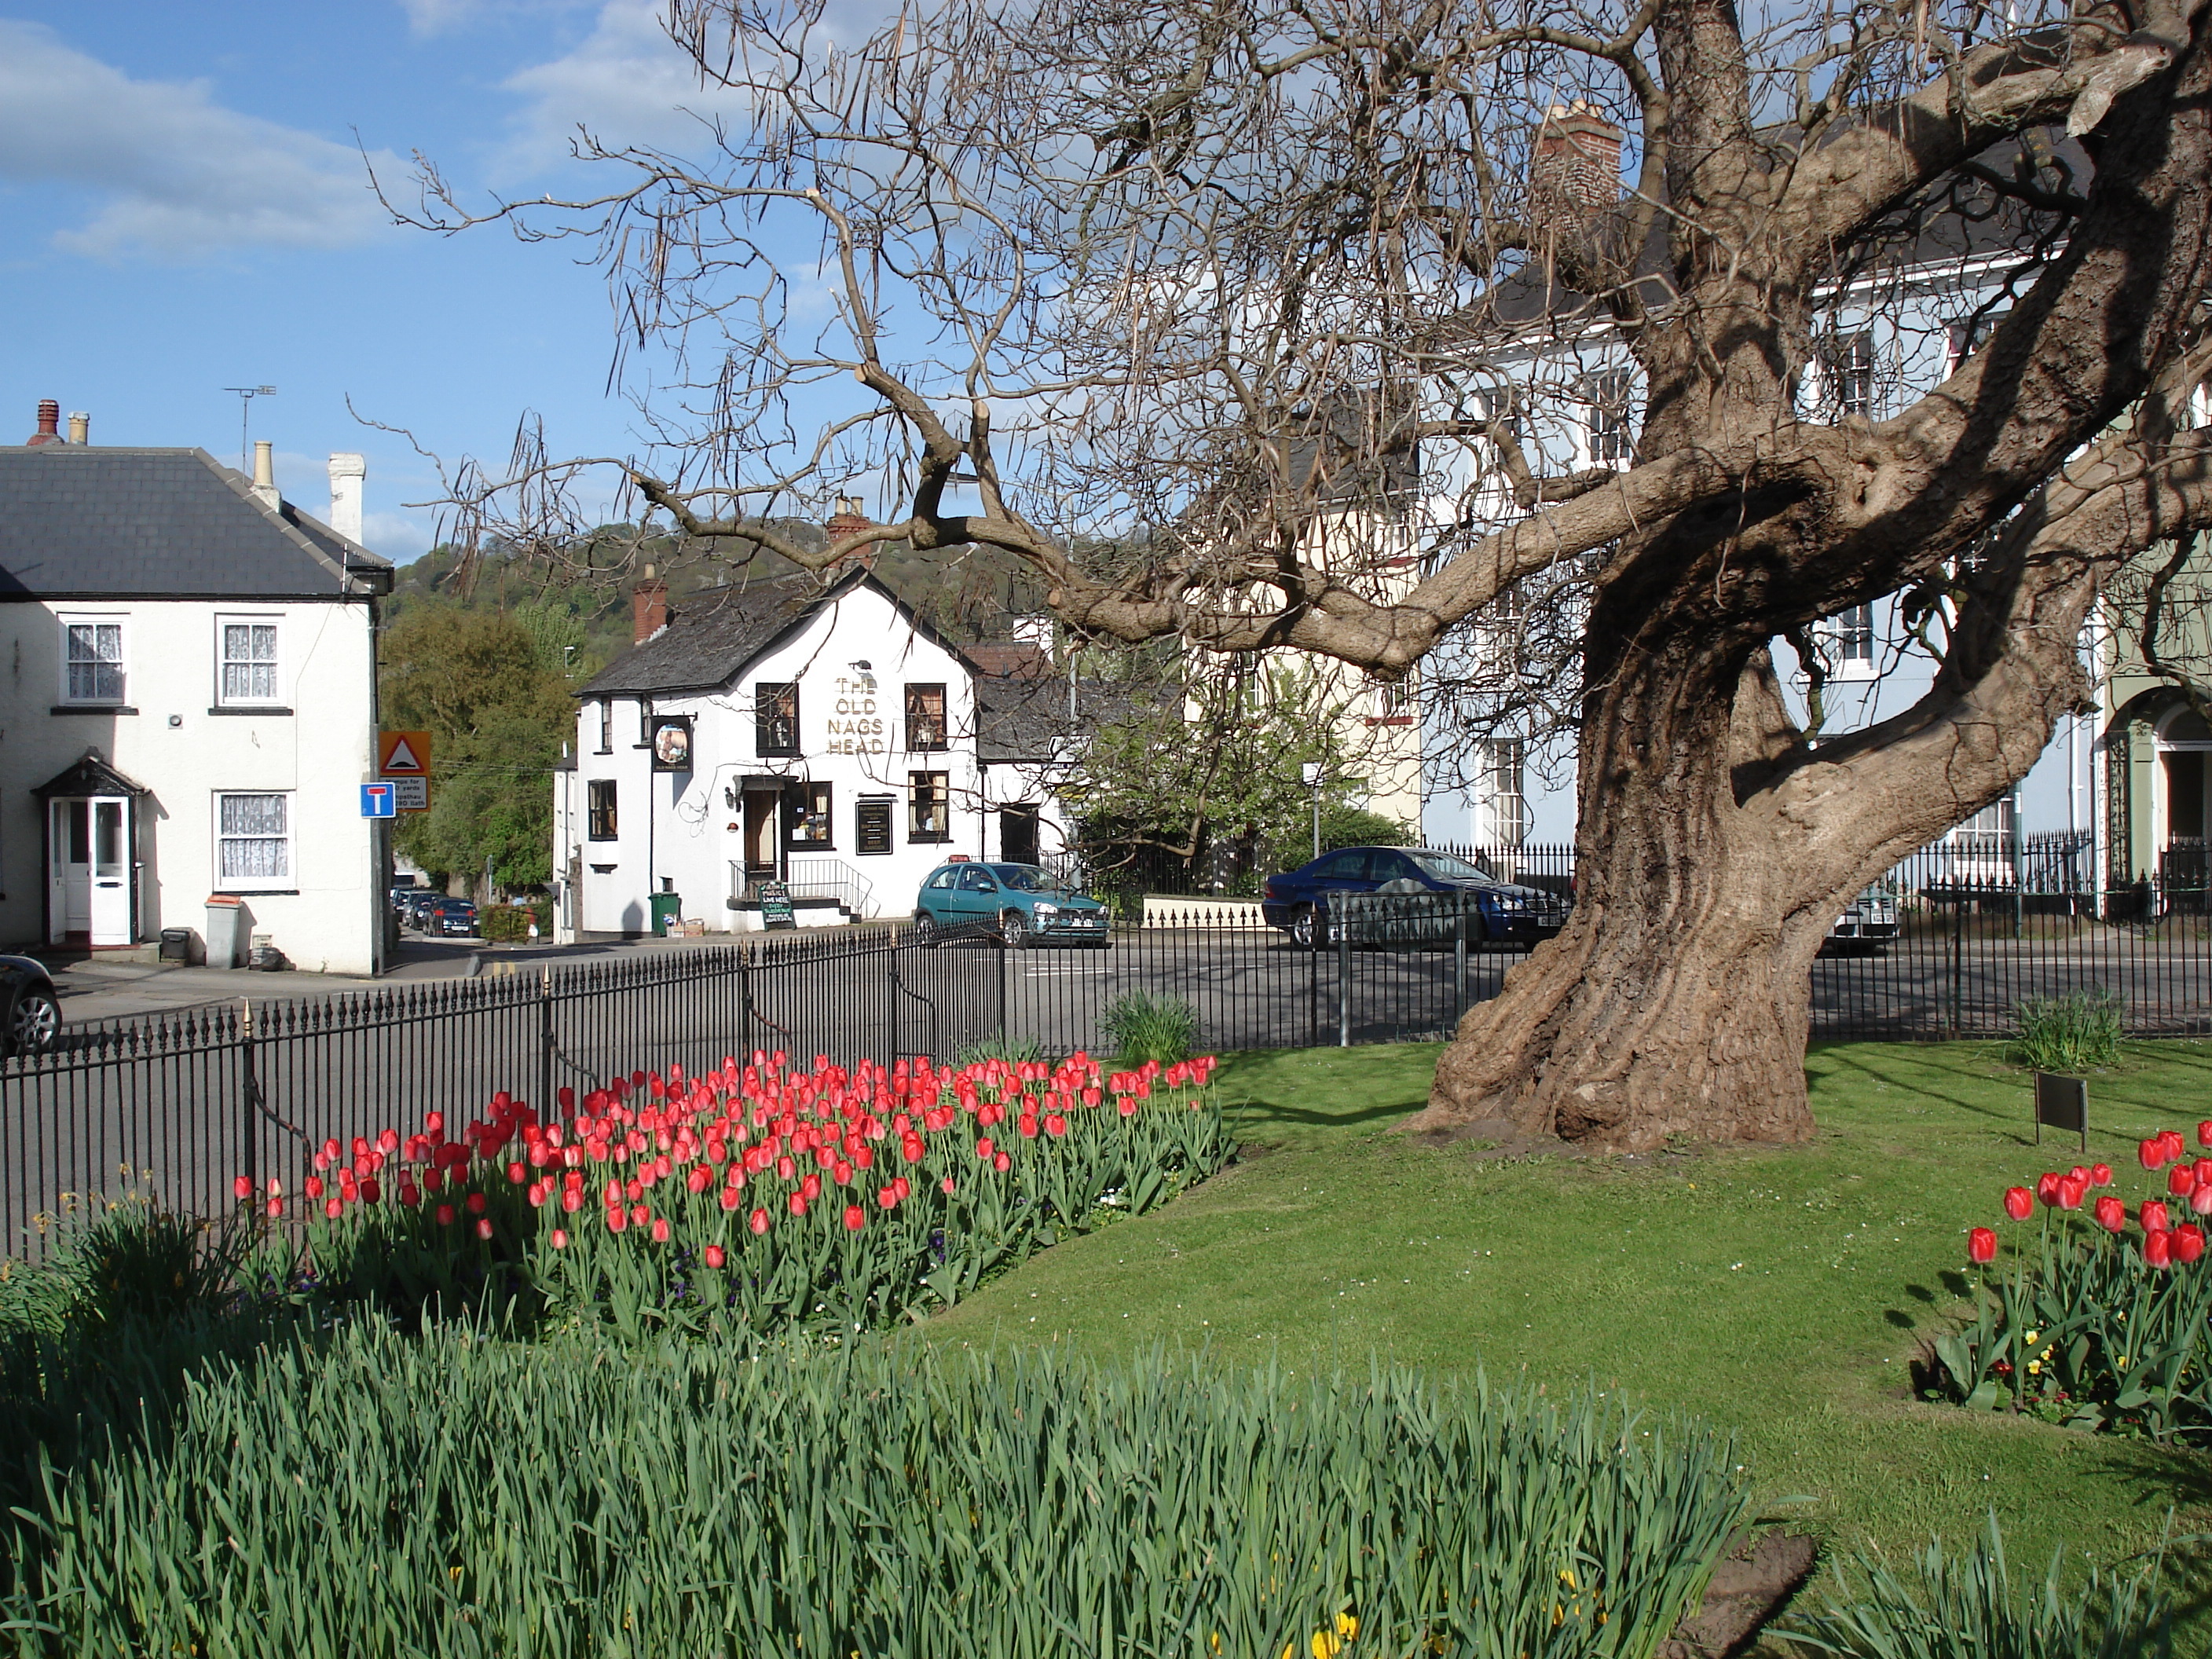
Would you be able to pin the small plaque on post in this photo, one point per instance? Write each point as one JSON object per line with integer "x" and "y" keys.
{"x": 2061, "y": 1103}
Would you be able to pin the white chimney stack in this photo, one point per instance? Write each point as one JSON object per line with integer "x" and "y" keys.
{"x": 348, "y": 474}
{"x": 264, "y": 473}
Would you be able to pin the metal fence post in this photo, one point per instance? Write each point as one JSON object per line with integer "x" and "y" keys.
{"x": 891, "y": 995}
{"x": 248, "y": 1093}
{"x": 1344, "y": 975}
{"x": 1459, "y": 958}
{"x": 545, "y": 1041}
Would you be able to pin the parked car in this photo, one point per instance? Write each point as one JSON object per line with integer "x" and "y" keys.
{"x": 1297, "y": 902}
{"x": 451, "y": 918}
{"x": 1870, "y": 919}
{"x": 419, "y": 906}
{"x": 1022, "y": 904}
{"x": 35, "y": 1011}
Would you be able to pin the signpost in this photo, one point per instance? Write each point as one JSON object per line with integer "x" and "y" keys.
{"x": 376, "y": 801}
{"x": 2062, "y": 1103}
{"x": 775, "y": 904}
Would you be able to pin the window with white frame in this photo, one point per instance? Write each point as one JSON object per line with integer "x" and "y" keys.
{"x": 92, "y": 660}
{"x": 1848, "y": 637}
{"x": 1847, "y": 366}
{"x": 1611, "y": 436}
{"x": 253, "y": 841}
{"x": 247, "y": 671}
{"x": 1503, "y": 762}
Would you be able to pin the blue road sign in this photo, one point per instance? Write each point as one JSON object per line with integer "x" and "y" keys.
{"x": 378, "y": 800}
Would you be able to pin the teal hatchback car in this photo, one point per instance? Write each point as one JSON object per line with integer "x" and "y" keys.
{"x": 1018, "y": 902}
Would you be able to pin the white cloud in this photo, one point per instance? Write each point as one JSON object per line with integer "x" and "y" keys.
{"x": 426, "y": 18}
{"x": 180, "y": 176}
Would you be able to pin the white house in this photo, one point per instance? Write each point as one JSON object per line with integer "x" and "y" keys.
{"x": 190, "y": 704}
{"x": 776, "y": 729}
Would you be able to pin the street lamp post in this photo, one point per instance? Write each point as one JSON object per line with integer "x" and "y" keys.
{"x": 1310, "y": 773}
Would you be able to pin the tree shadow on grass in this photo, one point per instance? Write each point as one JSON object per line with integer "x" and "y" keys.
{"x": 2176, "y": 1480}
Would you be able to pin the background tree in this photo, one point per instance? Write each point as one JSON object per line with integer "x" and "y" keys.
{"x": 490, "y": 688}
{"x": 1206, "y": 277}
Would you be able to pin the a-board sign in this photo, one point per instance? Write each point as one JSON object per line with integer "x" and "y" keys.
{"x": 2063, "y": 1103}
{"x": 775, "y": 904}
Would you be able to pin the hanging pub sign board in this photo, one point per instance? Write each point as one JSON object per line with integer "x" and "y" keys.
{"x": 775, "y": 904}
{"x": 671, "y": 743}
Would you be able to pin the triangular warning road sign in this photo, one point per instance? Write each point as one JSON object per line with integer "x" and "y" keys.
{"x": 402, "y": 758}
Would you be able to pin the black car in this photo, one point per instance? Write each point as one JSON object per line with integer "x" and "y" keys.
{"x": 1297, "y": 902}
{"x": 451, "y": 918}
{"x": 33, "y": 1019}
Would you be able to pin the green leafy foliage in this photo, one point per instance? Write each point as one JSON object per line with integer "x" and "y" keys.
{"x": 2069, "y": 1033}
{"x": 1143, "y": 1027}
{"x": 1966, "y": 1608}
{"x": 448, "y": 1493}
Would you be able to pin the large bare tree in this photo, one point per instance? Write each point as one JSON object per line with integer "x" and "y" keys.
{"x": 1270, "y": 297}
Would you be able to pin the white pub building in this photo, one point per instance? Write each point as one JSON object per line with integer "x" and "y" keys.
{"x": 828, "y": 740}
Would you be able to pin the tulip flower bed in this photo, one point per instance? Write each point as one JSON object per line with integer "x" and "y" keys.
{"x": 755, "y": 1199}
{"x": 2104, "y": 1320}
{"x": 388, "y": 1495}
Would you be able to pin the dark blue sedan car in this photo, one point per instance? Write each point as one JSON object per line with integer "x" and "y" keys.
{"x": 1298, "y": 902}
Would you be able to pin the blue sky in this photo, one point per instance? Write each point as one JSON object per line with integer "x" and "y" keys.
{"x": 186, "y": 210}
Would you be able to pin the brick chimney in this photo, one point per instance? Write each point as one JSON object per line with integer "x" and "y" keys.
{"x": 1574, "y": 173}
{"x": 848, "y": 519}
{"x": 50, "y": 424}
{"x": 648, "y": 608}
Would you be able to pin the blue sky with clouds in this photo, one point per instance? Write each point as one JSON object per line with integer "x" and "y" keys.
{"x": 187, "y": 209}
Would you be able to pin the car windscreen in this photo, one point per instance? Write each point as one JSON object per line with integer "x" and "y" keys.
{"x": 1023, "y": 877}
{"x": 1444, "y": 867}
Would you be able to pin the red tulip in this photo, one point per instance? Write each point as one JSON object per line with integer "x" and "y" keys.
{"x": 730, "y": 1198}
{"x": 1981, "y": 1245}
{"x": 333, "y": 1209}
{"x": 758, "y": 1221}
{"x": 560, "y": 1239}
{"x": 572, "y": 1199}
{"x": 2101, "y": 1175}
{"x": 2178, "y": 1182}
{"x": 2111, "y": 1213}
{"x": 2046, "y": 1186}
{"x": 812, "y": 1187}
{"x": 617, "y": 1218}
{"x": 947, "y": 1185}
{"x": 2204, "y": 1133}
{"x": 2189, "y": 1241}
{"x": 2152, "y": 1152}
{"x": 2175, "y": 1145}
{"x": 483, "y": 1228}
{"x": 475, "y": 1203}
{"x": 714, "y": 1255}
{"x": 983, "y": 1147}
{"x": 2072, "y": 1193}
{"x": 2019, "y": 1202}
{"x": 445, "y": 1215}
{"x": 242, "y": 1189}
{"x": 2201, "y": 1199}
{"x": 799, "y": 1204}
{"x": 2158, "y": 1249}
{"x": 517, "y": 1173}
{"x": 855, "y": 1218}
{"x": 313, "y": 1186}
{"x": 1055, "y": 1124}
{"x": 2152, "y": 1216}
{"x": 638, "y": 1213}
{"x": 887, "y": 1199}
{"x": 659, "y": 1230}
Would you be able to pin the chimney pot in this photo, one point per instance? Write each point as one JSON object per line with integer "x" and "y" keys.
{"x": 348, "y": 476}
{"x": 1574, "y": 173}
{"x": 264, "y": 473}
{"x": 80, "y": 427}
{"x": 648, "y": 608}
{"x": 847, "y": 520}
{"x": 50, "y": 424}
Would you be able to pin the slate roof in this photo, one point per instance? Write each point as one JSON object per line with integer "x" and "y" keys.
{"x": 712, "y": 636}
{"x": 90, "y": 775}
{"x": 81, "y": 521}
{"x": 1033, "y": 719}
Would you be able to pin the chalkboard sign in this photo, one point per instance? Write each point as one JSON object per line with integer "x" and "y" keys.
{"x": 775, "y": 904}
{"x": 2063, "y": 1103}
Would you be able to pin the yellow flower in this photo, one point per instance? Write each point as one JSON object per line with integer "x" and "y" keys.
{"x": 2121, "y": 1362}
{"x": 2034, "y": 1366}
{"x": 2030, "y": 1336}
{"x": 1567, "y": 1578}
{"x": 1347, "y": 1625}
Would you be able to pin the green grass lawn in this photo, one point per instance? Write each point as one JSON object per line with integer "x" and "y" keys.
{"x": 1782, "y": 1292}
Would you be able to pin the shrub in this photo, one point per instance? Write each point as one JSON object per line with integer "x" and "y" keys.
{"x": 401, "y": 1496}
{"x": 2069, "y": 1033}
{"x": 1966, "y": 1610}
{"x": 755, "y": 1199}
{"x": 2105, "y": 1320}
{"x": 509, "y": 924}
{"x": 1145, "y": 1027}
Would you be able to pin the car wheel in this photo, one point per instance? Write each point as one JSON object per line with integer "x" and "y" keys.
{"x": 925, "y": 929}
{"x": 1014, "y": 930}
{"x": 34, "y": 1024}
{"x": 1302, "y": 928}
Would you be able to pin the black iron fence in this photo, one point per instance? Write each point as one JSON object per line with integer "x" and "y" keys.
{"x": 1948, "y": 946}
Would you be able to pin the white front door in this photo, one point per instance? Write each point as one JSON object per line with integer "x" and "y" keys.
{"x": 90, "y": 874}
